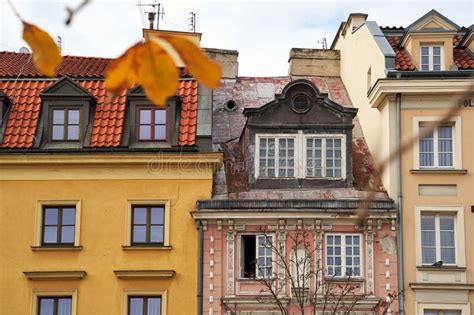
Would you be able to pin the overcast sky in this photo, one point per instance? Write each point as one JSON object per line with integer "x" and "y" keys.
{"x": 262, "y": 31}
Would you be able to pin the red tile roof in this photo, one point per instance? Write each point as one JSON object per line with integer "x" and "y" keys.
{"x": 18, "y": 64}
{"x": 402, "y": 57}
{"x": 109, "y": 116}
{"x": 463, "y": 59}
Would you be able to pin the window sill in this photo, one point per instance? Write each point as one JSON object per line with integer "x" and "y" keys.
{"x": 55, "y": 248}
{"x": 344, "y": 279}
{"x": 439, "y": 171}
{"x": 254, "y": 279}
{"x": 441, "y": 268}
{"x": 138, "y": 247}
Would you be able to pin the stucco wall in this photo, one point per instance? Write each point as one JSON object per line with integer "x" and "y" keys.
{"x": 359, "y": 53}
{"x": 103, "y": 226}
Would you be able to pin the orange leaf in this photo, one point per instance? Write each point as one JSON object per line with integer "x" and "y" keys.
{"x": 158, "y": 74}
{"x": 206, "y": 72}
{"x": 122, "y": 73}
{"x": 45, "y": 51}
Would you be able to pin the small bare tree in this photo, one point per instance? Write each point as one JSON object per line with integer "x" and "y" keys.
{"x": 295, "y": 282}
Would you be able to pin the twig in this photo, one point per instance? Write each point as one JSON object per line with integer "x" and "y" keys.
{"x": 73, "y": 12}
{"x": 10, "y": 3}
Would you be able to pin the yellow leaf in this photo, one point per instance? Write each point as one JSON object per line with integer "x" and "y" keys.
{"x": 45, "y": 51}
{"x": 158, "y": 74}
{"x": 122, "y": 73}
{"x": 206, "y": 72}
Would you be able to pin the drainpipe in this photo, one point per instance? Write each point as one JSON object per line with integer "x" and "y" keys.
{"x": 200, "y": 266}
{"x": 401, "y": 277}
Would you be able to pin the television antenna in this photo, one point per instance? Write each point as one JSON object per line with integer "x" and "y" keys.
{"x": 155, "y": 11}
{"x": 192, "y": 22}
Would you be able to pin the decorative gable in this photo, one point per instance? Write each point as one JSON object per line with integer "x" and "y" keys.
{"x": 66, "y": 87}
{"x": 433, "y": 20}
{"x": 301, "y": 139}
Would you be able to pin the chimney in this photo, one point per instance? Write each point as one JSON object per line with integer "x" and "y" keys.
{"x": 194, "y": 37}
{"x": 314, "y": 62}
{"x": 227, "y": 59}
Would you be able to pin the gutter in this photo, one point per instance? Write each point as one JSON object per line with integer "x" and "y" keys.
{"x": 436, "y": 75}
{"x": 200, "y": 267}
{"x": 401, "y": 271}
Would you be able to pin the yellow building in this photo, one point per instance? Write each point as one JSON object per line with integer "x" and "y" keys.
{"x": 406, "y": 82}
{"x": 95, "y": 196}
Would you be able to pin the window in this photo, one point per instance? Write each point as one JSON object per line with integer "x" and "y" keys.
{"x": 59, "y": 225}
{"x": 436, "y": 148}
{"x": 323, "y": 157}
{"x": 300, "y": 156}
{"x": 65, "y": 125}
{"x": 144, "y": 305}
{"x": 148, "y": 225}
{"x": 442, "y": 312}
{"x": 431, "y": 58}
{"x": 256, "y": 256}
{"x": 343, "y": 256}
{"x": 277, "y": 157}
{"x": 438, "y": 238}
{"x": 55, "y": 305}
{"x": 151, "y": 124}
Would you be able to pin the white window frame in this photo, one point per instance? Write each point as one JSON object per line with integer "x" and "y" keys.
{"x": 455, "y": 122}
{"x": 343, "y": 255}
{"x": 431, "y": 56}
{"x": 131, "y": 293}
{"x": 257, "y": 235}
{"x": 300, "y": 153}
{"x": 437, "y": 216}
{"x": 458, "y": 213}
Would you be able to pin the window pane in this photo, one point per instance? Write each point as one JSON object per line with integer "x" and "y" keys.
{"x": 160, "y": 116}
{"x": 446, "y": 223}
{"x": 425, "y": 51}
{"x": 424, "y": 60}
{"x": 145, "y": 117}
{"x": 139, "y": 234}
{"x": 58, "y": 132}
{"x": 426, "y": 148}
{"x": 58, "y": 117}
{"x": 436, "y": 51}
{"x": 160, "y": 132}
{"x": 157, "y": 215}
{"x": 445, "y": 146}
{"x": 428, "y": 239}
{"x": 69, "y": 216}
{"x": 73, "y": 117}
{"x": 425, "y": 67}
{"x": 145, "y": 132}
{"x": 154, "y": 306}
{"x": 136, "y": 306}
{"x": 50, "y": 234}
{"x": 139, "y": 215}
{"x": 73, "y": 132}
{"x": 448, "y": 255}
{"x": 64, "y": 306}
{"x": 46, "y": 306}
{"x": 67, "y": 234}
{"x": 51, "y": 216}
{"x": 156, "y": 234}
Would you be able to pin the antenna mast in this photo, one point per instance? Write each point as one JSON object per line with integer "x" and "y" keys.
{"x": 157, "y": 9}
{"x": 192, "y": 22}
{"x": 60, "y": 44}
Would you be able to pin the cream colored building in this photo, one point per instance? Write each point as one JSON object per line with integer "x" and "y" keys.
{"x": 404, "y": 81}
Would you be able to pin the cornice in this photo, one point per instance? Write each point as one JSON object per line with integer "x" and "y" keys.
{"x": 144, "y": 274}
{"x": 55, "y": 275}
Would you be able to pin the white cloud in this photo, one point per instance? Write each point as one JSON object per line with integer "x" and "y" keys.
{"x": 262, "y": 31}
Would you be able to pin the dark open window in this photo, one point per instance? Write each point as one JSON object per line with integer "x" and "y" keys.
{"x": 55, "y": 305}
{"x": 144, "y": 305}
{"x": 148, "y": 225}
{"x": 249, "y": 259}
{"x": 59, "y": 225}
{"x": 256, "y": 256}
{"x": 151, "y": 124}
{"x": 65, "y": 124}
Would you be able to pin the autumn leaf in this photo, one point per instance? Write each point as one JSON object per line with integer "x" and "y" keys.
{"x": 46, "y": 55}
{"x": 205, "y": 71}
{"x": 122, "y": 73}
{"x": 158, "y": 74}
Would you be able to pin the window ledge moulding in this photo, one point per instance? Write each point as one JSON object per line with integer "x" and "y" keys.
{"x": 55, "y": 248}
{"x": 55, "y": 275}
{"x": 144, "y": 274}
{"x": 443, "y": 268}
{"x": 344, "y": 279}
{"x": 132, "y": 247}
{"x": 441, "y": 286}
{"x": 439, "y": 171}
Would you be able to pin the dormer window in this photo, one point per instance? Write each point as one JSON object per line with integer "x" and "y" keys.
{"x": 300, "y": 156}
{"x": 65, "y": 124}
{"x": 151, "y": 124}
{"x": 431, "y": 58}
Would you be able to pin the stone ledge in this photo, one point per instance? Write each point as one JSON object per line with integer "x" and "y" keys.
{"x": 55, "y": 275}
{"x": 144, "y": 274}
